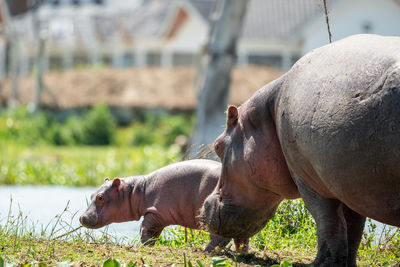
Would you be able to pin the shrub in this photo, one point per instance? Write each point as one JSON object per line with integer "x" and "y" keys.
{"x": 73, "y": 131}
{"x": 173, "y": 126}
{"x": 162, "y": 129}
{"x": 95, "y": 127}
{"x": 99, "y": 126}
{"x": 25, "y": 127}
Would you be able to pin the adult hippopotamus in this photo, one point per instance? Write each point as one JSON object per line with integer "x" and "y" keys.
{"x": 327, "y": 131}
{"x": 171, "y": 195}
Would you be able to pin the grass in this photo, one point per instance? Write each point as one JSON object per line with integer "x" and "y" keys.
{"x": 21, "y": 244}
{"x": 79, "y": 166}
{"x": 289, "y": 239}
{"x": 37, "y": 149}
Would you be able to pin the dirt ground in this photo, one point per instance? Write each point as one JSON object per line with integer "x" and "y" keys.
{"x": 172, "y": 88}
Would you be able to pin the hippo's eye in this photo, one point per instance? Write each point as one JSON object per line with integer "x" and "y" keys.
{"x": 100, "y": 198}
{"x": 219, "y": 148}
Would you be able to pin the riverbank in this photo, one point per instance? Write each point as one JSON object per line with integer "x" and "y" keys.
{"x": 93, "y": 254}
{"x": 289, "y": 236}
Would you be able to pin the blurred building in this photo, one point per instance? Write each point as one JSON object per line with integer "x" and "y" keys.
{"x": 169, "y": 33}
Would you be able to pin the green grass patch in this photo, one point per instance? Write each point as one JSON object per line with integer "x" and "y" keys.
{"x": 295, "y": 245}
{"x": 79, "y": 166}
{"x": 37, "y": 149}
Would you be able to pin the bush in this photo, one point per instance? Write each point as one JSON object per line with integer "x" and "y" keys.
{"x": 162, "y": 130}
{"x": 25, "y": 127}
{"x": 72, "y": 132}
{"x": 99, "y": 126}
{"x": 95, "y": 127}
{"x": 174, "y": 126}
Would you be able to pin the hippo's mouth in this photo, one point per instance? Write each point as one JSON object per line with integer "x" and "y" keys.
{"x": 231, "y": 221}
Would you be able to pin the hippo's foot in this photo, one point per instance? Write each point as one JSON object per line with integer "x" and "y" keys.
{"x": 241, "y": 245}
{"x": 216, "y": 241}
{"x": 331, "y": 252}
{"x": 339, "y": 229}
{"x": 148, "y": 241}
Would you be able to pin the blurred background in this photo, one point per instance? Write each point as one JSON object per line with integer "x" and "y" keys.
{"x": 111, "y": 88}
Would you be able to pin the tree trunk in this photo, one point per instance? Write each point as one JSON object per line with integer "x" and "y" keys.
{"x": 215, "y": 72}
{"x": 13, "y": 52}
{"x": 39, "y": 58}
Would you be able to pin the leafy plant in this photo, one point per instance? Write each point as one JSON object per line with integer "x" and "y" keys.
{"x": 111, "y": 263}
{"x": 283, "y": 264}
{"x": 25, "y": 127}
{"x": 220, "y": 262}
{"x": 99, "y": 126}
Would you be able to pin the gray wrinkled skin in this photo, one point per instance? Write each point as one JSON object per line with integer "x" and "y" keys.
{"x": 336, "y": 115}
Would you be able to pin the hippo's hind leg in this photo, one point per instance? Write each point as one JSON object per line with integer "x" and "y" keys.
{"x": 216, "y": 241}
{"x": 339, "y": 229}
{"x": 355, "y": 226}
{"x": 150, "y": 229}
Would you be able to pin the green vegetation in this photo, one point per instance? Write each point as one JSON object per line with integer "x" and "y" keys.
{"x": 82, "y": 150}
{"x": 94, "y": 127}
{"x": 80, "y": 166}
{"x": 289, "y": 239}
{"x": 37, "y": 149}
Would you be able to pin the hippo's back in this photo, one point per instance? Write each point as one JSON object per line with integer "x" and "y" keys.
{"x": 179, "y": 189}
{"x": 338, "y": 121}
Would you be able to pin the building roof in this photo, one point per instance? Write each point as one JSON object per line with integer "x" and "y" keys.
{"x": 274, "y": 19}
{"x": 204, "y": 7}
{"x": 264, "y": 19}
{"x": 149, "y": 19}
{"x": 152, "y": 19}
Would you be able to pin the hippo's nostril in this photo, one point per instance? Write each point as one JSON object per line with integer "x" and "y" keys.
{"x": 83, "y": 219}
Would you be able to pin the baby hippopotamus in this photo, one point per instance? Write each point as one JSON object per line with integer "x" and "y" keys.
{"x": 172, "y": 195}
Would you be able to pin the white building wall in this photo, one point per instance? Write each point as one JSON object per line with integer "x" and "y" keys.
{"x": 348, "y": 17}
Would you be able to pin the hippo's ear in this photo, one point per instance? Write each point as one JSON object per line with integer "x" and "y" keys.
{"x": 106, "y": 179}
{"x": 232, "y": 117}
{"x": 116, "y": 182}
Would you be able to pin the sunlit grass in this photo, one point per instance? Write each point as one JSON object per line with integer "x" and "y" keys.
{"x": 79, "y": 166}
{"x": 288, "y": 238}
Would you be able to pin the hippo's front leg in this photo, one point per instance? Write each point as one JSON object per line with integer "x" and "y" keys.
{"x": 339, "y": 229}
{"x": 150, "y": 229}
{"x": 216, "y": 241}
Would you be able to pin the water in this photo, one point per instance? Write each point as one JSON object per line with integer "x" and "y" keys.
{"x": 41, "y": 204}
